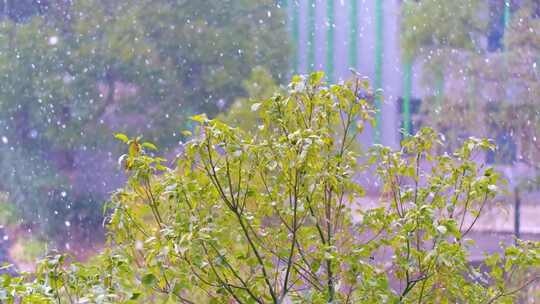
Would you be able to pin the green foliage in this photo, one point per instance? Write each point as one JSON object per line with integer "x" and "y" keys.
{"x": 259, "y": 86}
{"x": 8, "y": 212}
{"x": 73, "y": 71}
{"x": 431, "y": 26}
{"x": 274, "y": 216}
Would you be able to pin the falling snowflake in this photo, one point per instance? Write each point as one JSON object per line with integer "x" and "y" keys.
{"x": 53, "y": 40}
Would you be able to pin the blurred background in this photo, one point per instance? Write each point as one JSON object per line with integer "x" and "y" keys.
{"x": 72, "y": 72}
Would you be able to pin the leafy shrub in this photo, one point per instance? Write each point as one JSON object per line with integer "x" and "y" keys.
{"x": 274, "y": 217}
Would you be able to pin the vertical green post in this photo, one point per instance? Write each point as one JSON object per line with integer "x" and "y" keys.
{"x": 506, "y": 20}
{"x": 311, "y": 35}
{"x": 295, "y": 12}
{"x": 353, "y": 35}
{"x": 330, "y": 40}
{"x": 506, "y": 13}
{"x": 407, "y": 92}
{"x": 379, "y": 49}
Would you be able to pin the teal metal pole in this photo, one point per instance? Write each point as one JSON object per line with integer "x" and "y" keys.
{"x": 507, "y": 13}
{"x": 379, "y": 49}
{"x": 353, "y": 35}
{"x": 506, "y": 16}
{"x": 407, "y": 92}
{"x": 311, "y": 36}
{"x": 330, "y": 40}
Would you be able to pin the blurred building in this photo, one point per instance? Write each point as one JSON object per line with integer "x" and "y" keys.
{"x": 337, "y": 35}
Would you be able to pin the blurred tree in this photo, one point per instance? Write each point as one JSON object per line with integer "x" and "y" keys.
{"x": 259, "y": 86}
{"x": 73, "y": 71}
{"x": 482, "y": 67}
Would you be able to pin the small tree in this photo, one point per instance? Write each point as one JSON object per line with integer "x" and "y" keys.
{"x": 274, "y": 217}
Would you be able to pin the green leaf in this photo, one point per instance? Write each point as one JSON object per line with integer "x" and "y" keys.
{"x": 201, "y": 118}
{"x": 149, "y": 280}
{"x": 255, "y": 107}
{"x": 150, "y": 146}
{"x": 316, "y": 77}
{"x": 442, "y": 229}
{"x": 187, "y": 133}
{"x": 135, "y": 296}
{"x": 121, "y": 137}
